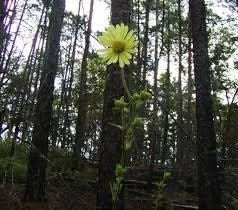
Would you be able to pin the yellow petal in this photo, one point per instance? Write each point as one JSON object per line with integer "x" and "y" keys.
{"x": 125, "y": 31}
{"x": 120, "y": 33}
{"x": 127, "y": 55}
{"x": 107, "y": 54}
{"x": 121, "y": 63}
{"x": 113, "y": 58}
{"x": 124, "y": 58}
{"x": 130, "y": 50}
{"x": 105, "y": 40}
{"x": 112, "y": 32}
{"x": 129, "y": 35}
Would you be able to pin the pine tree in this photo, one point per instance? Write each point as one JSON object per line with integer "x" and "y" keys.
{"x": 110, "y": 145}
{"x": 208, "y": 185}
{"x": 37, "y": 164}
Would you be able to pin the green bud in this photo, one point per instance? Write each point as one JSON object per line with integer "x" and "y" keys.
{"x": 136, "y": 96}
{"x": 126, "y": 110}
{"x": 167, "y": 175}
{"x": 119, "y": 170}
{"x": 120, "y": 104}
{"x": 138, "y": 122}
{"x": 144, "y": 95}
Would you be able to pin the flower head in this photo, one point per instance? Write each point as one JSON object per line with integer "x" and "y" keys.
{"x": 119, "y": 44}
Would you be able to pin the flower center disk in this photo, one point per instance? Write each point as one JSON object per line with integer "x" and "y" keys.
{"x": 118, "y": 46}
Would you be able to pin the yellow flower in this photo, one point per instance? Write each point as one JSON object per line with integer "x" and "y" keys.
{"x": 119, "y": 44}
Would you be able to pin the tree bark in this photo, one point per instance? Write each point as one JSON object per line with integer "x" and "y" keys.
{"x": 189, "y": 162}
{"x": 208, "y": 184}
{"x": 154, "y": 135}
{"x": 36, "y": 174}
{"x": 26, "y": 102}
{"x": 12, "y": 6}
{"x": 15, "y": 36}
{"x": 2, "y": 30}
{"x": 180, "y": 138}
{"x": 68, "y": 97}
{"x": 140, "y": 133}
{"x": 81, "y": 124}
{"x": 110, "y": 146}
{"x": 167, "y": 97}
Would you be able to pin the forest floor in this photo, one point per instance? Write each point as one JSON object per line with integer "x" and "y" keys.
{"x": 78, "y": 192}
{"x": 67, "y": 193}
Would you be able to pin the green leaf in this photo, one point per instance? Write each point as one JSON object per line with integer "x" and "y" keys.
{"x": 116, "y": 126}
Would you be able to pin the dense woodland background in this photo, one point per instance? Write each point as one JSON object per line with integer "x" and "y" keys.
{"x": 58, "y": 148}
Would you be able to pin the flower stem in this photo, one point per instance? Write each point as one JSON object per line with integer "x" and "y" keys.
{"x": 123, "y": 139}
{"x": 124, "y": 84}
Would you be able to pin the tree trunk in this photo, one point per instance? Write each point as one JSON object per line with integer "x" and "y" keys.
{"x": 81, "y": 124}
{"x": 15, "y": 36}
{"x": 209, "y": 190}
{"x": 12, "y": 6}
{"x": 71, "y": 77}
{"x": 189, "y": 163}
{"x": 154, "y": 136}
{"x": 167, "y": 98}
{"x": 7, "y": 39}
{"x": 36, "y": 174}
{"x": 180, "y": 138}
{"x": 140, "y": 133}
{"x": 38, "y": 67}
{"x": 2, "y": 30}
{"x": 110, "y": 146}
{"x": 26, "y": 102}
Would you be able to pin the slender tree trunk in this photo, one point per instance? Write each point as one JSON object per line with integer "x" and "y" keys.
{"x": 154, "y": 137}
{"x": 28, "y": 71}
{"x": 14, "y": 139}
{"x": 2, "y": 30}
{"x": 140, "y": 133}
{"x": 64, "y": 101}
{"x": 71, "y": 77}
{"x": 208, "y": 184}
{"x": 15, "y": 36}
{"x": 7, "y": 27}
{"x": 189, "y": 158}
{"x": 167, "y": 98}
{"x": 36, "y": 174}
{"x": 58, "y": 129}
{"x": 83, "y": 104}
{"x": 228, "y": 146}
{"x": 6, "y": 40}
{"x": 2, "y": 116}
{"x": 110, "y": 145}
{"x": 138, "y": 58}
{"x": 180, "y": 138}
{"x": 138, "y": 144}
{"x": 38, "y": 67}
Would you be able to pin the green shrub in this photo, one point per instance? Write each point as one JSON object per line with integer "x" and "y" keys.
{"x": 16, "y": 165}
{"x": 5, "y": 146}
{"x": 234, "y": 202}
{"x": 12, "y": 166}
{"x": 59, "y": 159}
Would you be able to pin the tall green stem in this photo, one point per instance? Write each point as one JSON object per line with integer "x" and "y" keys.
{"x": 123, "y": 138}
{"x": 125, "y": 85}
